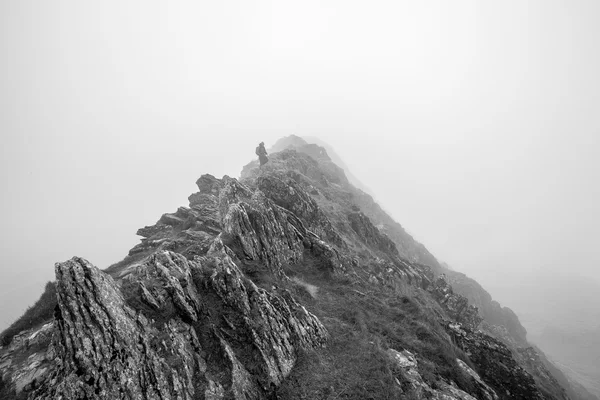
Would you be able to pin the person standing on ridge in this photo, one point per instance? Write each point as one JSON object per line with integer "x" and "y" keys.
{"x": 261, "y": 152}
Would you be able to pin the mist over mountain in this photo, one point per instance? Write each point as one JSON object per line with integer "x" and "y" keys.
{"x": 338, "y": 160}
{"x": 286, "y": 282}
{"x": 562, "y": 315}
{"x": 467, "y": 134}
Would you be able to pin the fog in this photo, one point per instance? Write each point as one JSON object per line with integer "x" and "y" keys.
{"x": 475, "y": 124}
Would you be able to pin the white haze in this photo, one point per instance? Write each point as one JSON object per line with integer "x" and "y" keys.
{"x": 476, "y": 124}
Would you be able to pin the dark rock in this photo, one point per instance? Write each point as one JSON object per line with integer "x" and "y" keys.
{"x": 262, "y": 227}
{"x": 490, "y": 310}
{"x": 457, "y": 307}
{"x": 275, "y": 323}
{"x": 418, "y": 388}
{"x": 363, "y": 227}
{"x": 531, "y": 360}
{"x": 208, "y": 184}
{"x": 107, "y": 350}
{"x": 166, "y": 277}
{"x": 104, "y": 346}
{"x": 288, "y": 194}
{"x": 495, "y": 364}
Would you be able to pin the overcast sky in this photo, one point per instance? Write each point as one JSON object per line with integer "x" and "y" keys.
{"x": 475, "y": 123}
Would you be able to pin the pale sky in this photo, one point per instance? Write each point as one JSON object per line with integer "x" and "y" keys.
{"x": 475, "y": 123}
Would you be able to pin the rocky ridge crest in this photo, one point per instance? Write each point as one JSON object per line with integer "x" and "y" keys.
{"x": 204, "y": 307}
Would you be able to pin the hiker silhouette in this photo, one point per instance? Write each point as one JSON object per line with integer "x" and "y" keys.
{"x": 261, "y": 152}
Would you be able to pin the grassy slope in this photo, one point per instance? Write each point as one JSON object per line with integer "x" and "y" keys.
{"x": 365, "y": 320}
{"x": 36, "y": 315}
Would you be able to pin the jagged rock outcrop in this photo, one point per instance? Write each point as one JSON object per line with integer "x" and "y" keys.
{"x": 363, "y": 227}
{"x": 457, "y": 307}
{"x": 491, "y": 311}
{"x": 104, "y": 347}
{"x": 166, "y": 285}
{"x": 181, "y": 345}
{"x": 266, "y": 231}
{"x": 188, "y": 231}
{"x": 503, "y": 324}
{"x": 285, "y": 192}
{"x": 388, "y": 273}
{"x": 28, "y": 359}
{"x": 277, "y": 324}
{"x": 496, "y": 364}
{"x": 408, "y": 363}
{"x": 532, "y": 362}
{"x": 483, "y": 389}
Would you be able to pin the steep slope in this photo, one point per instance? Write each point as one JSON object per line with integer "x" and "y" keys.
{"x": 500, "y": 322}
{"x": 168, "y": 326}
{"x": 577, "y": 352}
{"x": 569, "y": 338}
{"x": 504, "y": 324}
{"x": 296, "y": 142}
{"x": 283, "y": 284}
{"x": 408, "y": 247}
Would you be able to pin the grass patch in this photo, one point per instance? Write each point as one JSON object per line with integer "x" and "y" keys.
{"x": 351, "y": 367}
{"x": 38, "y": 314}
{"x": 365, "y": 320}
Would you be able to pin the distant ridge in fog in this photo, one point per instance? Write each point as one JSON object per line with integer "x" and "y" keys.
{"x": 293, "y": 141}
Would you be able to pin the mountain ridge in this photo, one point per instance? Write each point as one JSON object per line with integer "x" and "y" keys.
{"x": 217, "y": 295}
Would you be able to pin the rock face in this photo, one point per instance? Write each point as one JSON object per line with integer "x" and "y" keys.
{"x": 28, "y": 359}
{"x": 266, "y": 231}
{"x": 363, "y": 227}
{"x": 408, "y": 363}
{"x": 209, "y": 305}
{"x": 533, "y": 363}
{"x": 489, "y": 309}
{"x": 288, "y": 194}
{"x": 496, "y": 363}
{"x": 503, "y": 324}
{"x": 107, "y": 350}
{"x": 104, "y": 346}
{"x": 457, "y": 307}
{"x": 185, "y": 324}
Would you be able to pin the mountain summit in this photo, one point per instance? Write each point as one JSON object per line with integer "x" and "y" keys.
{"x": 288, "y": 283}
